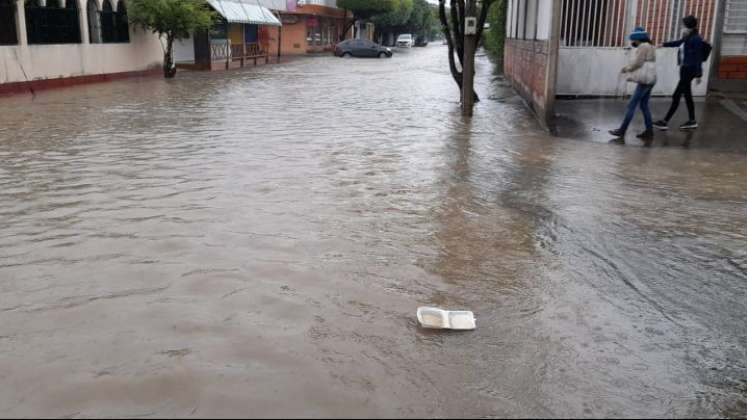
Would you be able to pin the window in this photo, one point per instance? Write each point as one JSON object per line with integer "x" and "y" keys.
{"x": 121, "y": 23}
{"x": 735, "y": 28}
{"x": 108, "y": 28}
{"x": 94, "y": 22}
{"x": 52, "y": 24}
{"x": 219, "y": 29}
{"x": 521, "y": 18}
{"x": 8, "y": 35}
{"x": 595, "y": 23}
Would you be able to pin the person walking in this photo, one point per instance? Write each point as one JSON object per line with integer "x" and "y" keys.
{"x": 642, "y": 71}
{"x": 690, "y": 58}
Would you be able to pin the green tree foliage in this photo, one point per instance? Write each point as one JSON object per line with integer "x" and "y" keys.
{"x": 171, "y": 20}
{"x": 495, "y": 38}
{"x": 398, "y": 16}
{"x": 365, "y": 9}
{"x": 417, "y": 17}
{"x": 423, "y": 21}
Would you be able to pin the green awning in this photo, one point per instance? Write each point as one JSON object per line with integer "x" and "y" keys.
{"x": 245, "y": 11}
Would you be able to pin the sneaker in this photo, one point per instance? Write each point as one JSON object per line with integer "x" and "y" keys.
{"x": 690, "y": 125}
{"x": 646, "y": 135}
{"x": 617, "y": 133}
{"x": 661, "y": 125}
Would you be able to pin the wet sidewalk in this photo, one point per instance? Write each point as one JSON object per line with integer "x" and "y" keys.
{"x": 721, "y": 121}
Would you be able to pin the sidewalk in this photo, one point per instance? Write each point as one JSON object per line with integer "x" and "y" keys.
{"x": 723, "y": 122}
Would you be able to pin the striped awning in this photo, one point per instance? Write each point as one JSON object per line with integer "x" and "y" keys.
{"x": 245, "y": 11}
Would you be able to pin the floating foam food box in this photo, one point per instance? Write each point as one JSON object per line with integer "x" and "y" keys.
{"x": 439, "y": 319}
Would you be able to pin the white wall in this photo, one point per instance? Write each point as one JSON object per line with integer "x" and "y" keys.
{"x": 544, "y": 19}
{"x": 37, "y": 62}
{"x": 596, "y": 72}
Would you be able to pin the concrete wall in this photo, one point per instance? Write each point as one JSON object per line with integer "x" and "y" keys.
{"x": 25, "y": 63}
{"x": 39, "y": 62}
{"x": 596, "y": 72}
{"x": 294, "y": 37}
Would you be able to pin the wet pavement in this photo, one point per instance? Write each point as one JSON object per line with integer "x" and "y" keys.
{"x": 255, "y": 243}
{"x": 722, "y": 120}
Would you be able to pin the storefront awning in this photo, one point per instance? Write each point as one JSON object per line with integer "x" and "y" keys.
{"x": 245, "y": 11}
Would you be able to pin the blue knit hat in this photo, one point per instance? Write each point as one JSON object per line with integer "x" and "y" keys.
{"x": 639, "y": 34}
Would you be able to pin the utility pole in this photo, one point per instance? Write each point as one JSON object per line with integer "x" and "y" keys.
{"x": 470, "y": 47}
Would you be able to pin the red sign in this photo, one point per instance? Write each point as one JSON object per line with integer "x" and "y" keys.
{"x": 312, "y": 21}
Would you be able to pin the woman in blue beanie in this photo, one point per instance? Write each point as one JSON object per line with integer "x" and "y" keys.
{"x": 643, "y": 72}
{"x": 690, "y": 59}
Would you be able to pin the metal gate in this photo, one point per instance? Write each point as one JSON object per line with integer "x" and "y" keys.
{"x": 594, "y": 43}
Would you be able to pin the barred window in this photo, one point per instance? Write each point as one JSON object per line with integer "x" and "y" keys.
{"x": 121, "y": 22}
{"x": 52, "y": 24}
{"x": 108, "y": 29}
{"x": 8, "y": 35}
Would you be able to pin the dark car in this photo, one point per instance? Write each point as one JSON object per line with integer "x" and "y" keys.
{"x": 361, "y": 48}
{"x": 421, "y": 41}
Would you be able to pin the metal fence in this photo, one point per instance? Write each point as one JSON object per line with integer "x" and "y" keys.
{"x": 606, "y": 23}
{"x": 594, "y": 23}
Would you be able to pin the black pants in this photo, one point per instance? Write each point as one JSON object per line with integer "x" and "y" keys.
{"x": 684, "y": 87}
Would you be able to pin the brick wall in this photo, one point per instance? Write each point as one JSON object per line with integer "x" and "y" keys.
{"x": 525, "y": 66}
{"x": 733, "y": 68}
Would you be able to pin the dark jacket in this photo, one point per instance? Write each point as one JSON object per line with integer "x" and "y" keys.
{"x": 693, "y": 53}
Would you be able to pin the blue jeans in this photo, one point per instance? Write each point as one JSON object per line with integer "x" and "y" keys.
{"x": 641, "y": 96}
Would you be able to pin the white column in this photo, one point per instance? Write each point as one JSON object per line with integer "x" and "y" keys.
{"x": 21, "y": 22}
{"x": 85, "y": 38}
{"x": 630, "y": 22}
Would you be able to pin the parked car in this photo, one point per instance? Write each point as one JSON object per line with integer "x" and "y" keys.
{"x": 361, "y": 48}
{"x": 405, "y": 41}
{"x": 421, "y": 41}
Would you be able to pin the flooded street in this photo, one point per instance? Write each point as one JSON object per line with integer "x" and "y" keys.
{"x": 256, "y": 243}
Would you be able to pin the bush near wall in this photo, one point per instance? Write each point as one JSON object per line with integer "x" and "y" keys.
{"x": 495, "y": 37}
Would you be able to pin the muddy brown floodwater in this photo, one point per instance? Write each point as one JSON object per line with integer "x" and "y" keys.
{"x": 256, "y": 243}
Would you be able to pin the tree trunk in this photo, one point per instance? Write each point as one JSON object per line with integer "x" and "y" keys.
{"x": 455, "y": 41}
{"x": 468, "y": 66}
{"x": 346, "y": 26}
{"x": 450, "y": 42}
{"x": 169, "y": 68}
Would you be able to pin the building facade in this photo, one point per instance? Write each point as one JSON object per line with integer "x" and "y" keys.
{"x": 48, "y": 43}
{"x": 313, "y": 26}
{"x": 577, "y": 47}
{"x": 245, "y": 33}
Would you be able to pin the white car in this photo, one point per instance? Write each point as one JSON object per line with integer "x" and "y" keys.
{"x": 405, "y": 41}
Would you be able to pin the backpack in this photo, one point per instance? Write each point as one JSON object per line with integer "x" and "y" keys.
{"x": 706, "y": 51}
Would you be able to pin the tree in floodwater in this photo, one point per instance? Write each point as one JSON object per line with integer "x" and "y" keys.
{"x": 172, "y": 20}
{"x": 364, "y": 9}
{"x": 453, "y": 25}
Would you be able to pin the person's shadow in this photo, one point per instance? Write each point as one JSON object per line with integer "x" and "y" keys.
{"x": 686, "y": 143}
